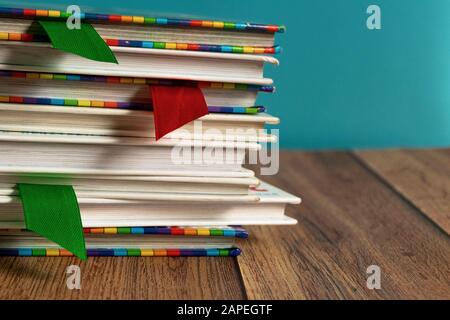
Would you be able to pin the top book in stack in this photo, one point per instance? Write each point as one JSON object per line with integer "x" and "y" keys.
{"x": 193, "y": 49}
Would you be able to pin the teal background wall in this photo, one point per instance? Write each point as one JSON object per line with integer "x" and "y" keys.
{"x": 339, "y": 85}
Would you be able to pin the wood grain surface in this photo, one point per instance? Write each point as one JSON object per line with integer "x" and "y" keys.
{"x": 121, "y": 278}
{"x": 422, "y": 177}
{"x": 385, "y": 208}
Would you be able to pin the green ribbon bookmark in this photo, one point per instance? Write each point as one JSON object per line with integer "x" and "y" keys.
{"x": 85, "y": 42}
{"x": 52, "y": 211}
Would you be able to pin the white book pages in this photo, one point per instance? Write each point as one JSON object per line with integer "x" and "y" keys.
{"x": 139, "y": 62}
{"x": 269, "y": 208}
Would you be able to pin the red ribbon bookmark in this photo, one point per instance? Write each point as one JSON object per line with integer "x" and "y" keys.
{"x": 173, "y": 107}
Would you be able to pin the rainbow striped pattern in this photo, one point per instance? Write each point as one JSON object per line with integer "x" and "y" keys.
{"x": 124, "y": 252}
{"x": 27, "y": 37}
{"x": 118, "y": 105}
{"x": 76, "y": 103}
{"x": 179, "y": 231}
{"x": 192, "y": 46}
{"x": 141, "y": 20}
{"x": 237, "y": 109}
{"x": 128, "y": 80}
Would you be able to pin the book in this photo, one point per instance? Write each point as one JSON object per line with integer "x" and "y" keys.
{"x": 139, "y": 62}
{"x": 130, "y": 123}
{"x": 141, "y": 196}
{"x": 133, "y": 184}
{"x": 265, "y": 205}
{"x": 151, "y": 32}
{"x": 113, "y": 92}
{"x": 22, "y": 152}
{"x": 131, "y": 241}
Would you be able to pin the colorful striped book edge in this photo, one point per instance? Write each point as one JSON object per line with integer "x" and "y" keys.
{"x": 26, "y": 37}
{"x": 137, "y": 81}
{"x": 123, "y": 252}
{"x": 118, "y": 105}
{"x": 234, "y": 232}
{"x": 141, "y": 20}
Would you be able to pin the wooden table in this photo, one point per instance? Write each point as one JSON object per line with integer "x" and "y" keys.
{"x": 385, "y": 208}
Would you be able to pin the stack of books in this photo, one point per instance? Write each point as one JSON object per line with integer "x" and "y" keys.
{"x": 142, "y": 189}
